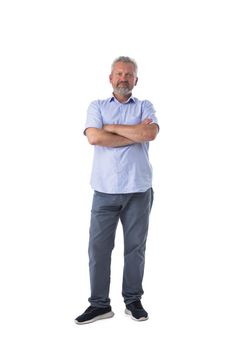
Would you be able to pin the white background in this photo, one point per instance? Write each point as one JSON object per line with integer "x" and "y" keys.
{"x": 55, "y": 58}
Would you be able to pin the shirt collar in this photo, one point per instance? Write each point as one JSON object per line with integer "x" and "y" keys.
{"x": 131, "y": 99}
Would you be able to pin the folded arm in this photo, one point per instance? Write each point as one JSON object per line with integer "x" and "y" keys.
{"x": 146, "y": 131}
{"x": 101, "y": 137}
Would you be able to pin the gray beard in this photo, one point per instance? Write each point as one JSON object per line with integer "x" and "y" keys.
{"x": 124, "y": 91}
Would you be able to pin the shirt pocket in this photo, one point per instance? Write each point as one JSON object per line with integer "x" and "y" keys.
{"x": 133, "y": 120}
{"x": 111, "y": 117}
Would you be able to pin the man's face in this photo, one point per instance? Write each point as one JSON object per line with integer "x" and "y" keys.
{"x": 123, "y": 78}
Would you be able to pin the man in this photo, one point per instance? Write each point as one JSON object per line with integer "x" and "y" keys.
{"x": 120, "y": 128}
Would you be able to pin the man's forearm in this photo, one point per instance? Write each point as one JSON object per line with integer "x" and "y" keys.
{"x": 101, "y": 137}
{"x": 137, "y": 133}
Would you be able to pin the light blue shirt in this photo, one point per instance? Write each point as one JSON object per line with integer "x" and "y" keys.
{"x": 120, "y": 169}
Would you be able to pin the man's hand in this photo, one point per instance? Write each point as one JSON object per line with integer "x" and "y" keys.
{"x": 147, "y": 121}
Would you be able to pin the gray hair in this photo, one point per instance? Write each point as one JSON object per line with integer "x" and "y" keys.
{"x": 125, "y": 59}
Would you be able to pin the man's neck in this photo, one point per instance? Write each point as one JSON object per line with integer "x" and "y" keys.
{"x": 122, "y": 98}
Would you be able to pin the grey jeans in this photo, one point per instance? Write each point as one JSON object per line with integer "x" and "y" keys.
{"x": 133, "y": 210}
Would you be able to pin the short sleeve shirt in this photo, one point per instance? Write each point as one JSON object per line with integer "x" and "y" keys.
{"x": 127, "y": 169}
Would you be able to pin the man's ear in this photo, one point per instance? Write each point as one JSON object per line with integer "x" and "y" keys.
{"x": 110, "y": 78}
{"x": 136, "y": 81}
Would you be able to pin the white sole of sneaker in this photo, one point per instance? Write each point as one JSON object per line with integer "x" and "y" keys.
{"x": 129, "y": 313}
{"x": 97, "y": 318}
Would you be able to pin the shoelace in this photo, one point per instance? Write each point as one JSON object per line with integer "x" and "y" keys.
{"x": 137, "y": 304}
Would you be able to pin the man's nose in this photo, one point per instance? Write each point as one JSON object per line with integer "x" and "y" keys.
{"x": 123, "y": 78}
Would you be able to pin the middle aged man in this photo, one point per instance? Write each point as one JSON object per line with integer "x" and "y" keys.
{"x": 120, "y": 128}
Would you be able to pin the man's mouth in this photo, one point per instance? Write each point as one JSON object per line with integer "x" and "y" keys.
{"x": 123, "y": 83}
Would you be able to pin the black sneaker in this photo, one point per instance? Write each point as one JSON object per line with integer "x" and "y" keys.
{"x": 136, "y": 311}
{"x": 92, "y": 314}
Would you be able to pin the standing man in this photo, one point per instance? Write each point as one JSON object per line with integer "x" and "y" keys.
{"x": 120, "y": 128}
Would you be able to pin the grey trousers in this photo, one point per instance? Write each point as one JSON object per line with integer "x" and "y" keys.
{"x": 133, "y": 210}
